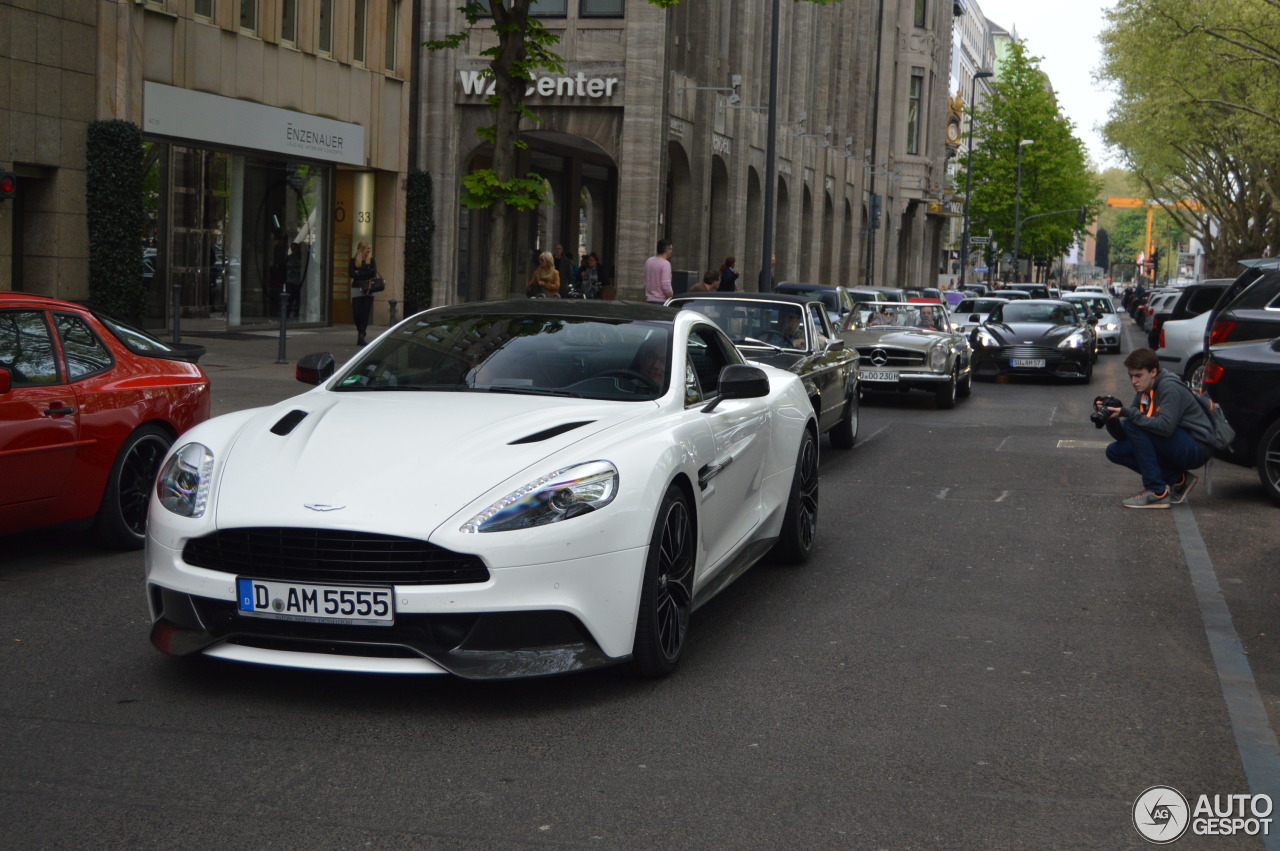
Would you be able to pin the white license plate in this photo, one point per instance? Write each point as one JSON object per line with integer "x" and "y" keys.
{"x": 297, "y": 601}
{"x": 877, "y": 375}
{"x": 1027, "y": 363}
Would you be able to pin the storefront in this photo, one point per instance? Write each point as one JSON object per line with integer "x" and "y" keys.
{"x": 241, "y": 210}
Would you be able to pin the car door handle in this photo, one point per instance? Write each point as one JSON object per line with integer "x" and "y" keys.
{"x": 59, "y": 412}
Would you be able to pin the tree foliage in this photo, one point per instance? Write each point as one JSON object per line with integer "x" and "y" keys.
{"x": 113, "y": 204}
{"x": 1195, "y": 118}
{"x": 1055, "y": 170}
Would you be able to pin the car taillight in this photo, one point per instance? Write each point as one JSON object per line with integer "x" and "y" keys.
{"x": 1212, "y": 372}
{"x": 1220, "y": 331}
{"x": 1161, "y": 345}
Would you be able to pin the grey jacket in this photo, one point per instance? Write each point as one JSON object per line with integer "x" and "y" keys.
{"x": 1175, "y": 407}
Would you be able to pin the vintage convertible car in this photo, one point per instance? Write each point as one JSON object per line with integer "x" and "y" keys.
{"x": 791, "y": 333}
{"x": 1035, "y": 337}
{"x": 908, "y": 346}
{"x": 491, "y": 490}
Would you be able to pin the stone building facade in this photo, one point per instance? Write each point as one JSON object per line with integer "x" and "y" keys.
{"x": 657, "y": 129}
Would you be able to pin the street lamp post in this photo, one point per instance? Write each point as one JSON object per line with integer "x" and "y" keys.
{"x": 968, "y": 178}
{"x": 1017, "y": 208}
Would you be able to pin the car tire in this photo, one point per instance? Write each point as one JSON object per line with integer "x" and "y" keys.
{"x": 965, "y": 388}
{"x": 1267, "y": 460}
{"x": 1088, "y": 374}
{"x": 1194, "y": 374}
{"x": 800, "y": 521}
{"x": 666, "y": 596}
{"x": 121, "y": 521}
{"x": 845, "y": 433}
{"x": 944, "y": 396}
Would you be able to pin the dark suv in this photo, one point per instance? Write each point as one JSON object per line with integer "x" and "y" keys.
{"x": 1249, "y": 309}
{"x": 1194, "y": 300}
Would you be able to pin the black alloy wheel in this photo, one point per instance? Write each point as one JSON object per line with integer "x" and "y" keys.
{"x": 1268, "y": 461}
{"x": 666, "y": 599}
{"x": 800, "y": 523}
{"x": 965, "y": 388}
{"x": 121, "y": 521}
{"x": 945, "y": 395}
{"x": 845, "y": 433}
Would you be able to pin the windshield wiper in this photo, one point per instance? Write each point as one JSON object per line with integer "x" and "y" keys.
{"x": 529, "y": 391}
{"x": 752, "y": 341}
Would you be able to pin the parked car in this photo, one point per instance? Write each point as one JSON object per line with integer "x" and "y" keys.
{"x": 1191, "y": 300}
{"x": 912, "y": 346}
{"x": 88, "y": 408}
{"x": 1154, "y": 304}
{"x": 571, "y": 481}
{"x": 972, "y": 312}
{"x": 1181, "y": 348}
{"x": 836, "y": 299}
{"x": 1244, "y": 378}
{"x": 791, "y": 333}
{"x": 1252, "y": 314}
{"x": 1037, "y": 337}
{"x": 1102, "y": 308}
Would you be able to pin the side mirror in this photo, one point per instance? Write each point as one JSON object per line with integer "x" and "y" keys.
{"x": 739, "y": 381}
{"x": 835, "y": 345}
{"x": 973, "y": 317}
{"x": 6, "y": 381}
{"x": 315, "y": 368}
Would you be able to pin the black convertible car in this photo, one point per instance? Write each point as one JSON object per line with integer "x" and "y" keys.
{"x": 792, "y": 333}
{"x": 1034, "y": 337}
{"x": 1244, "y": 378}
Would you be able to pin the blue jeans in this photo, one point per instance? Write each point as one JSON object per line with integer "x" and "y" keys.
{"x": 1160, "y": 461}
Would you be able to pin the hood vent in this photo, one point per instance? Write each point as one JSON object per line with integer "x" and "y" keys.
{"x": 547, "y": 434}
{"x": 288, "y": 422}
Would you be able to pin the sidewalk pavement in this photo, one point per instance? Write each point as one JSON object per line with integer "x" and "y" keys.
{"x": 242, "y": 367}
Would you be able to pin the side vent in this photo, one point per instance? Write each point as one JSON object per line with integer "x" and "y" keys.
{"x": 547, "y": 434}
{"x": 288, "y": 422}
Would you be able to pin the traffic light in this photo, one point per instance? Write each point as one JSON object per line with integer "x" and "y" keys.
{"x": 8, "y": 184}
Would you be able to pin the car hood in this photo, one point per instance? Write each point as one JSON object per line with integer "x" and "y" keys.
{"x": 889, "y": 335}
{"x": 1023, "y": 333}
{"x": 408, "y": 460}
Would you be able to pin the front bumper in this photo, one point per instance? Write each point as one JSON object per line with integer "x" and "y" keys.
{"x": 907, "y": 379}
{"x": 1060, "y": 363}
{"x": 523, "y": 621}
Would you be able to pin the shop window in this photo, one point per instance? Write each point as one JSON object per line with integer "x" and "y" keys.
{"x": 325, "y": 42}
{"x": 249, "y": 16}
{"x": 393, "y": 15}
{"x": 289, "y": 21}
{"x": 548, "y": 8}
{"x": 921, "y": 10}
{"x": 358, "y": 31}
{"x": 204, "y": 8}
{"x": 914, "y": 102}
{"x": 602, "y": 9}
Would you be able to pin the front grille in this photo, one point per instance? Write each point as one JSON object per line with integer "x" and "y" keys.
{"x": 896, "y": 356}
{"x": 332, "y": 556}
{"x": 1045, "y": 353}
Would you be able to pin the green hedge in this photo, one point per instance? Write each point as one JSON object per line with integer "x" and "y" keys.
{"x": 420, "y": 228}
{"x": 116, "y": 221}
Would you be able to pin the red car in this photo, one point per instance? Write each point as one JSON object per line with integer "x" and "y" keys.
{"x": 88, "y": 408}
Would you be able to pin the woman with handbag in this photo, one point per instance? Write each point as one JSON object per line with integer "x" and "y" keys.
{"x": 363, "y": 271}
{"x": 545, "y": 280}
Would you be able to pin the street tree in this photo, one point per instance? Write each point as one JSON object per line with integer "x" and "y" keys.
{"x": 1055, "y": 170}
{"x": 522, "y": 46}
{"x": 1198, "y": 92}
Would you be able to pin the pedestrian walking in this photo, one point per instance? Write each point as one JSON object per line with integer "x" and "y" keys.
{"x": 362, "y": 271}
{"x": 657, "y": 274}
{"x": 729, "y": 275}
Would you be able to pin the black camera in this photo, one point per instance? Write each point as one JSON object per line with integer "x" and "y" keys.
{"x": 1100, "y": 413}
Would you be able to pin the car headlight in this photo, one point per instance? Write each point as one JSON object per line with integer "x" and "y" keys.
{"x": 1074, "y": 340}
{"x": 183, "y": 485}
{"x": 938, "y": 359}
{"x": 1110, "y": 326}
{"x": 985, "y": 338}
{"x": 554, "y": 497}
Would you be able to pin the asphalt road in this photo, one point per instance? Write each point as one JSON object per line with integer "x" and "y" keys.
{"x": 987, "y": 651}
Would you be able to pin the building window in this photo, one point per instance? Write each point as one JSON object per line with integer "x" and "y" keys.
{"x": 921, "y": 8}
{"x": 914, "y": 100}
{"x": 548, "y": 8}
{"x": 601, "y": 9}
{"x": 325, "y": 44}
{"x": 289, "y": 21}
{"x": 357, "y": 31}
{"x": 204, "y": 8}
{"x": 393, "y": 14}
{"x": 249, "y": 15}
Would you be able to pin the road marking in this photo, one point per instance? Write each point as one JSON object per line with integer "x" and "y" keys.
{"x": 1083, "y": 444}
{"x": 874, "y": 435}
{"x": 1255, "y": 740}
{"x": 942, "y": 494}
{"x": 1002, "y": 495}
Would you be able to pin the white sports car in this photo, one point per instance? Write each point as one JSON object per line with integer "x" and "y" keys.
{"x": 490, "y": 490}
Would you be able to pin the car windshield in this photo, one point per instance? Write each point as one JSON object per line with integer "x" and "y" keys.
{"x": 1099, "y": 304}
{"x": 747, "y": 320}
{"x": 531, "y": 354}
{"x": 923, "y": 316}
{"x": 1054, "y": 314}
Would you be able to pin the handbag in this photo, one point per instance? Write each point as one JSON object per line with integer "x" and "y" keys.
{"x": 377, "y": 285}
